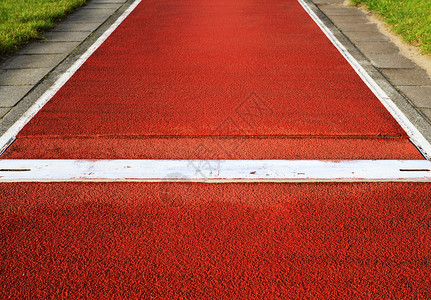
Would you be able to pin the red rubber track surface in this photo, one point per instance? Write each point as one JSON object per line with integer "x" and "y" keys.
{"x": 192, "y": 68}
{"x": 211, "y": 148}
{"x": 237, "y": 241}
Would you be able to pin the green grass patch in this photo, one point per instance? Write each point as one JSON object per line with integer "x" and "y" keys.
{"x": 23, "y": 20}
{"x": 409, "y": 18}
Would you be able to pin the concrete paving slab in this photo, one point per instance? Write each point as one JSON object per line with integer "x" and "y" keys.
{"x": 341, "y": 11}
{"x": 393, "y": 61}
{"x": 10, "y": 95}
{"x": 33, "y": 61}
{"x": 101, "y": 11}
{"x": 95, "y": 5}
{"x": 49, "y": 48}
{"x": 407, "y": 76}
{"x": 71, "y": 26}
{"x": 22, "y": 76}
{"x": 3, "y": 111}
{"x": 364, "y": 36}
{"x": 79, "y": 18}
{"x": 68, "y": 36}
{"x": 354, "y": 27}
{"x": 323, "y": 2}
{"x": 108, "y": 1}
{"x": 427, "y": 112}
{"x": 96, "y": 11}
{"x": 359, "y": 19}
{"x": 419, "y": 95}
{"x": 381, "y": 47}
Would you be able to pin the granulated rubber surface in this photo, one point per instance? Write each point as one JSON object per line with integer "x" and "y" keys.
{"x": 235, "y": 241}
{"x": 210, "y": 148}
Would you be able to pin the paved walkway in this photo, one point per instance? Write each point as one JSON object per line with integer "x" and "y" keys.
{"x": 25, "y": 75}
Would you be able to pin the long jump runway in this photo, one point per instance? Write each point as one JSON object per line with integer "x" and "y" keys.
{"x": 215, "y": 149}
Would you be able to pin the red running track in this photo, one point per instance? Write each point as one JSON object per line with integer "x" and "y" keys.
{"x": 177, "y": 73}
{"x": 208, "y": 241}
{"x": 215, "y": 79}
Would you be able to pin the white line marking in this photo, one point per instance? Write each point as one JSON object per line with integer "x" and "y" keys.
{"x": 29, "y": 114}
{"x": 8, "y": 143}
{"x": 215, "y": 170}
{"x": 415, "y": 136}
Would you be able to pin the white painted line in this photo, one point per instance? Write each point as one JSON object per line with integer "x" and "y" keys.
{"x": 29, "y": 114}
{"x": 8, "y": 143}
{"x": 215, "y": 170}
{"x": 415, "y": 136}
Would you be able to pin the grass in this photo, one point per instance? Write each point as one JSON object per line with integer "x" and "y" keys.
{"x": 24, "y": 20}
{"x": 409, "y": 18}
